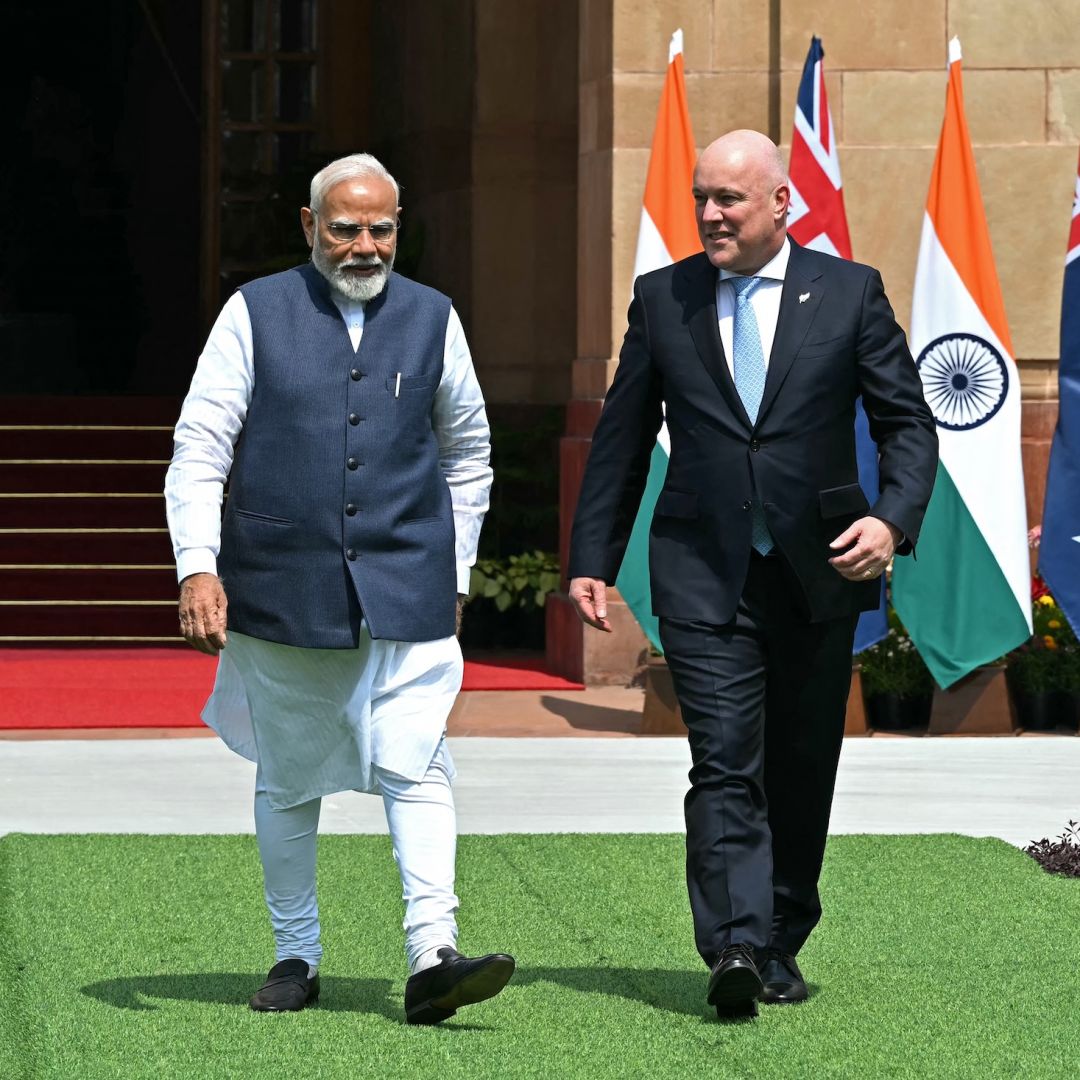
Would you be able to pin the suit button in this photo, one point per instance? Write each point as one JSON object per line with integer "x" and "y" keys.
{"x": 355, "y": 375}
{"x": 755, "y": 445}
{"x": 350, "y": 509}
{"x": 350, "y": 554}
{"x": 354, "y": 419}
{"x": 353, "y": 463}
{"x": 746, "y": 505}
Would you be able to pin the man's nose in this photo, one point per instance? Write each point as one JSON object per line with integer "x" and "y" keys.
{"x": 363, "y": 244}
{"x": 712, "y": 211}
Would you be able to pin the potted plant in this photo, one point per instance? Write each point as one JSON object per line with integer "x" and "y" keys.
{"x": 1043, "y": 675}
{"x": 898, "y": 689}
{"x": 505, "y": 609}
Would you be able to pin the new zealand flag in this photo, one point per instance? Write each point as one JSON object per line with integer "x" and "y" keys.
{"x": 1059, "y": 550}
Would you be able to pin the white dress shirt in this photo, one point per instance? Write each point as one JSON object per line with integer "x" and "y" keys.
{"x": 216, "y": 406}
{"x": 765, "y": 300}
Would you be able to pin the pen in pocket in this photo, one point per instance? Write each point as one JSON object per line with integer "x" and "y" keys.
{"x": 397, "y": 385}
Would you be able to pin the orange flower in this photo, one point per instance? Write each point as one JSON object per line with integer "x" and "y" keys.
{"x": 1049, "y": 642}
{"x": 1054, "y": 624}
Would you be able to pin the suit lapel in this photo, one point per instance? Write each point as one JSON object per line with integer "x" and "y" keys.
{"x": 799, "y": 303}
{"x": 704, "y": 326}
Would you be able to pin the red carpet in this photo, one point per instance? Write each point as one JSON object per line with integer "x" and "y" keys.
{"x": 522, "y": 672}
{"x": 143, "y": 688}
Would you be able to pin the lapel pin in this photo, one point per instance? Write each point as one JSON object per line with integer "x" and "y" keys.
{"x": 803, "y": 297}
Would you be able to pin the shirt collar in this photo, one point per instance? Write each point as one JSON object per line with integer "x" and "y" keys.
{"x": 344, "y": 303}
{"x": 775, "y": 268}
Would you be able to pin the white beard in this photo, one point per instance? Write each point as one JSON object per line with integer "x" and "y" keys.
{"x": 358, "y": 289}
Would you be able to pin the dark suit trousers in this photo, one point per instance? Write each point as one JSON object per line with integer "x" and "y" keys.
{"x": 763, "y": 698}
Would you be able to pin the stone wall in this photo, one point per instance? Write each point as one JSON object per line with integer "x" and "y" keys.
{"x": 886, "y": 73}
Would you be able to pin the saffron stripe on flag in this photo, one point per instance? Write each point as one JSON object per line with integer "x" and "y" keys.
{"x": 668, "y": 233}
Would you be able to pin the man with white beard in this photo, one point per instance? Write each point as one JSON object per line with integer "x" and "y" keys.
{"x": 340, "y": 401}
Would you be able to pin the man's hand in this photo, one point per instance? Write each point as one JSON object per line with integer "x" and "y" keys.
{"x": 461, "y": 599}
{"x": 202, "y": 613}
{"x": 590, "y": 599}
{"x": 871, "y": 543}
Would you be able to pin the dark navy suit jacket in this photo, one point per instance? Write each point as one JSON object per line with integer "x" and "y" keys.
{"x": 836, "y": 338}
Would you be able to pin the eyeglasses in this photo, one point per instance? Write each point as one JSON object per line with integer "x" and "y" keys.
{"x": 346, "y": 232}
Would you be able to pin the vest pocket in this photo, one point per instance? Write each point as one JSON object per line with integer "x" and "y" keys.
{"x": 409, "y": 382}
{"x": 267, "y": 518}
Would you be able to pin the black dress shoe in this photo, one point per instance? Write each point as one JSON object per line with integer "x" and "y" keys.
{"x": 287, "y": 988}
{"x": 735, "y": 983}
{"x": 436, "y": 993}
{"x": 784, "y": 983}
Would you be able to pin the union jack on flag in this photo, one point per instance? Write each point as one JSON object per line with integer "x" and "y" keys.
{"x": 816, "y": 218}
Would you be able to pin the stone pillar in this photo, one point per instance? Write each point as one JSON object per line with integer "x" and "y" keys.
{"x": 572, "y": 648}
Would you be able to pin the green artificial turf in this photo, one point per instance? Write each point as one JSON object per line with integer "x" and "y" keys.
{"x": 134, "y": 956}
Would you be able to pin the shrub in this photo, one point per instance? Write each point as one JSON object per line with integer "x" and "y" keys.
{"x": 894, "y": 666}
{"x": 1060, "y": 856}
{"x": 521, "y": 581}
{"x": 1049, "y": 660}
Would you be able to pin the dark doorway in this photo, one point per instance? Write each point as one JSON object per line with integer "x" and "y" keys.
{"x": 100, "y": 197}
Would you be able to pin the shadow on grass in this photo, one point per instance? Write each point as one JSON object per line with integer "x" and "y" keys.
{"x": 233, "y": 988}
{"x": 680, "y": 991}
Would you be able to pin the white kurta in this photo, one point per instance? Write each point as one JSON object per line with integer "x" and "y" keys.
{"x": 319, "y": 720}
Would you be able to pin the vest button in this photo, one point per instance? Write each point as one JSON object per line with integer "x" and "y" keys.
{"x": 353, "y": 463}
{"x": 354, "y": 419}
{"x": 355, "y": 375}
{"x": 746, "y": 505}
{"x": 350, "y": 509}
{"x": 350, "y": 554}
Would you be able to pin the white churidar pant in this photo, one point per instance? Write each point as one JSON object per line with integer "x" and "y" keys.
{"x": 423, "y": 832}
{"x": 318, "y": 721}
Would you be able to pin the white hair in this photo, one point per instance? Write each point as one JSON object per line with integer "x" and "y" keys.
{"x": 352, "y": 167}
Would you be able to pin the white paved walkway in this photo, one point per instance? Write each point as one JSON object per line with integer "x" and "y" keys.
{"x": 1016, "y": 789}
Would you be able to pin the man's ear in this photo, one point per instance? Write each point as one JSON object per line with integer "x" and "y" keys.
{"x": 781, "y": 200}
{"x": 307, "y": 223}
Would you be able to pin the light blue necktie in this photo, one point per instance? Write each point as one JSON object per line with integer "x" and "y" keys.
{"x": 748, "y": 362}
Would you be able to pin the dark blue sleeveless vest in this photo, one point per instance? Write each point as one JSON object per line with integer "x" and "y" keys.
{"x": 337, "y": 508}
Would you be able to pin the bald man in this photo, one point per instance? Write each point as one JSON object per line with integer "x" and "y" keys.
{"x": 763, "y": 548}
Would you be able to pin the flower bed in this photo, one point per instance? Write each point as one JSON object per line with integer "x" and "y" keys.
{"x": 1044, "y": 673}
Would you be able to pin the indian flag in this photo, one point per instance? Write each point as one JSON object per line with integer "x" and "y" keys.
{"x": 966, "y": 599}
{"x": 668, "y": 232}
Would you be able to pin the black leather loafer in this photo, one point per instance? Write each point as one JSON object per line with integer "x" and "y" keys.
{"x": 734, "y": 983}
{"x": 436, "y": 993}
{"x": 287, "y": 988}
{"x": 784, "y": 983}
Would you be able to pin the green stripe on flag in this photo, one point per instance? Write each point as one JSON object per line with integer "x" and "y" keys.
{"x": 633, "y": 579}
{"x": 954, "y": 600}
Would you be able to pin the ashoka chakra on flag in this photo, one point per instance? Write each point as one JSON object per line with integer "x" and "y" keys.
{"x": 965, "y": 380}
